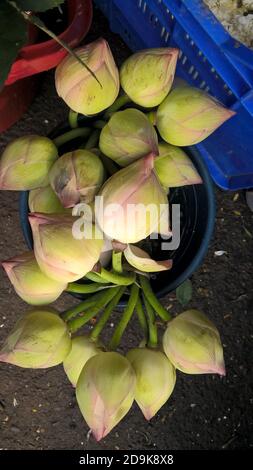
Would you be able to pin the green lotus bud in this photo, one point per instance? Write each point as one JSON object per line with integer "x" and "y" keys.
{"x": 174, "y": 168}
{"x": 81, "y": 351}
{"x": 60, "y": 253}
{"x": 128, "y": 136}
{"x": 155, "y": 379}
{"x": 76, "y": 177}
{"x": 29, "y": 282}
{"x": 25, "y": 163}
{"x": 147, "y": 76}
{"x": 193, "y": 345}
{"x": 141, "y": 260}
{"x": 132, "y": 202}
{"x": 39, "y": 340}
{"x": 189, "y": 115}
{"x": 45, "y": 200}
{"x": 79, "y": 89}
{"x": 105, "y": 391}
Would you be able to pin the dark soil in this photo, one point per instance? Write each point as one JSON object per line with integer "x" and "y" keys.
{"x": 38, "y": 409}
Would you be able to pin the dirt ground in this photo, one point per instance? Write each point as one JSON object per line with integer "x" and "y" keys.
{"x": 38, "y": 408}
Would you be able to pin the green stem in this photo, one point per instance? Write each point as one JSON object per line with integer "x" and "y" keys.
{"x": 151, "y": 115}
{"x": 95, "y": 277}
{"x": 106, "y": 314}
{"x": 92, "y": 140}
{"x": 118, "y": 103}
{"x": 152, "y": 328}
{"x": 73, "y": 119}
{"x": 70, "y": 135}
{"x": 141, "y": 318}
{"x": 117, "y": 261}
{"x": 76, "y": 323}
{"x": 117, "y": 278}
{"x": 99, "y": 124}
{"x": 86, "y": 288}
{"x": 82, "y": 306}
{"x": 126, "y": 317}
{"x": 154, "y": 302}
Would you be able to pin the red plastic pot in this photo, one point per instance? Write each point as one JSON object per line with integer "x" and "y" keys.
{"x": 35, "y": 58}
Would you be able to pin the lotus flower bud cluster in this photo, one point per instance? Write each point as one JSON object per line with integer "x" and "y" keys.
{"x": 193, "y": 345}
{"x": 59, "y": 255}
{"x": 189, "y": 115}
{"x": 94, "y": 213}
{"x": 82, "y": 349}
{"x": 76, "y": 177}
{"x": 30, "y": 283}
{"x": 128, "y": 136}
{"x": 155, "y": 379}
{"x": 81, "y": 91}
{"x": 39, "y": 340}
{"x": 105, "y": 391}
{"x": 147, "y": 76}
{"x": 25, "y": 163}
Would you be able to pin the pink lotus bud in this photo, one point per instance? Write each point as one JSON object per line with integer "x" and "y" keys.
{"x": 76, "y": 177}
{"x": 174, "y": 168}
{"x": 59, "y": 254}
{"x": 128, "y": 136}
{"x": 39, "y": 340}
{"x": 141, "y": 260}
{"x": 45, "y": 200}
{"x": 105, "y": 391}
{"x": 81, "y": 351}
{"x": 29, "y": 282}
{"x": 155, "y": 379}
{"x": 132, "y": 202}
{"x": 147, "y": 76}
{"x": 189, "y": 115}
{"x": 25, "y": 163}
{"x": 193, "y": 345}
{"x": 79, "y": 89}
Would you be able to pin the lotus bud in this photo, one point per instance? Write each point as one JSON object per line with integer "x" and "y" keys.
{"x": 39, "y": 340}
{"x": 61, "y": 249}
{"x": 128, "y": 136}
{"x": 147, "y": 76}
{"x": 141, "y": 260}
{"x": 25, "y": 163}
{"x": 132, "y": 202}
{"x": 189, "y": 115}
{"x": 105, "y": 391}
{"x": 29, "y": 282}
{"x": 174, "y": 168}
{"x": 79, "y": 89}
{"x": 193, "y": 345}
{"x": 45, "y": 200}
{"x": 76, "y": 177}
{"x": 155, "y": 379}
{"x": 81, "y": 351}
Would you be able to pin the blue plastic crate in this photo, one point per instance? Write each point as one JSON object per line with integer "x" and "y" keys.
{"x": 209, "y": 59}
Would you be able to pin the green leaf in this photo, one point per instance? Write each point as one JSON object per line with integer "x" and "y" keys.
{"x": 38, "y": 5}
{"x": 184, "y": 292}
{"x": 13, "y": 35}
